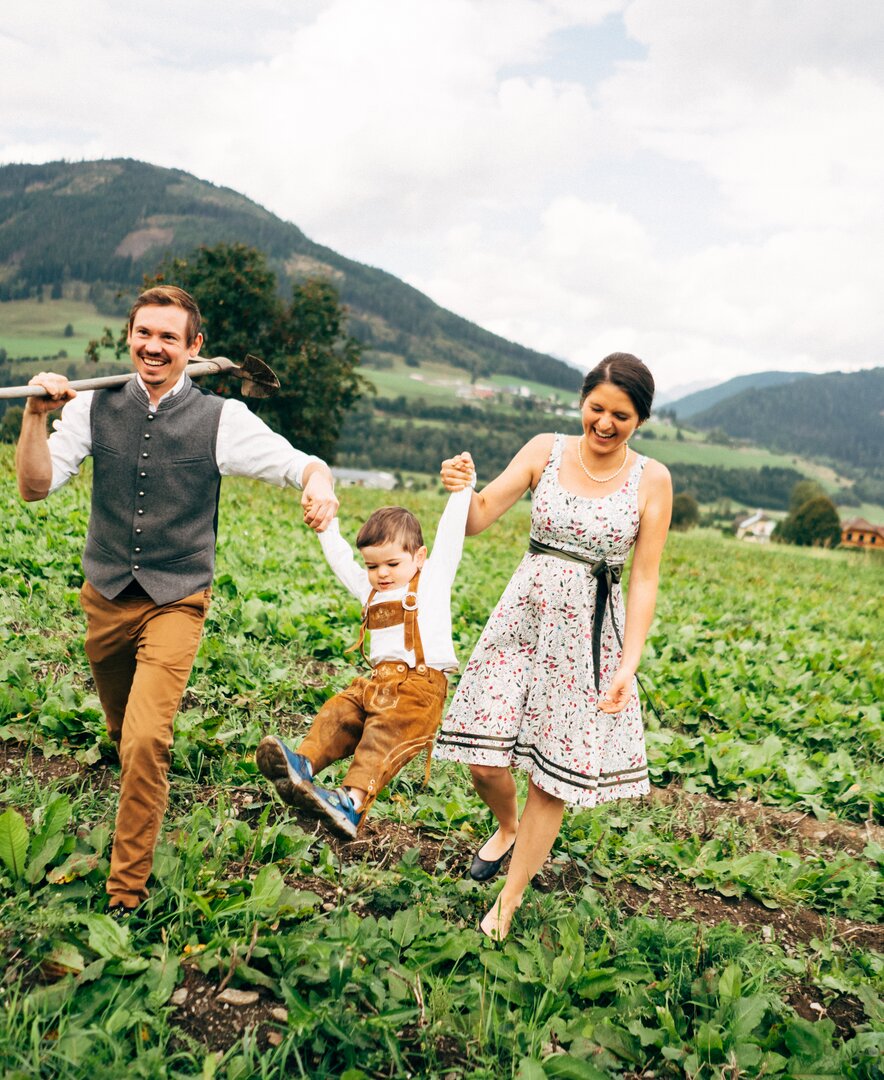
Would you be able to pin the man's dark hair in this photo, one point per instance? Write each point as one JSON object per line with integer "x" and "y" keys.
{"x": 170, "y": 296}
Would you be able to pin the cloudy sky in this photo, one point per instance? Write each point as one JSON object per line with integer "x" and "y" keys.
{"x": 700, "y": 182}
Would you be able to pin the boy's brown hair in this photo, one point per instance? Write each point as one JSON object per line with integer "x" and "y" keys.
{"x": 391, "y": 525}
{"x": 170, "y": 296}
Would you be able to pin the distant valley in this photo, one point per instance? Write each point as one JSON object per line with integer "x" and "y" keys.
{"x": 75, "y": 240}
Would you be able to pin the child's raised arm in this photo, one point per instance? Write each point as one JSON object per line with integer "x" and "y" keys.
{"x": 448, "y": 545}
{"x": 343, "y": 562}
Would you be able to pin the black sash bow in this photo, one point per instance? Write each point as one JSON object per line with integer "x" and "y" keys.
{"x": 607, "y": 575}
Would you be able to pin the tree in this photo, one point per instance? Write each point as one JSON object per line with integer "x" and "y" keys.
{"x": 10, "y": 427}
{"x": 68, "y": 330}
{"x": 803, "y": 492}
{"x": 814, "y": 524}
{"x": 92, "y": 352}
{"x": 685, "y": 511}
{"x": 236, "y": 293}
{"x": 304, "y": 341}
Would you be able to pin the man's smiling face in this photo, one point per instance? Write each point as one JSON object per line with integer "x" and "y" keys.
{"x": 159, "y": 349}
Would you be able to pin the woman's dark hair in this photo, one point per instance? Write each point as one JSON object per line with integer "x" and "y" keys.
{"x": 629, "y": 374}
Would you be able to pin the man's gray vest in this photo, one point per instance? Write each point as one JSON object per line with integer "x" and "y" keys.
{"x": 155, "y": 492}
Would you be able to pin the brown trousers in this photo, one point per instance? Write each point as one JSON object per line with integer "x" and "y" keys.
{"x": 383, "y": 719}
{"x": 141, "y": 656}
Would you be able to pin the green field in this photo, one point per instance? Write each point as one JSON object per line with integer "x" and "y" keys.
{"x": 725, "y": 928}
{"x": 698, "y": 452}
{"x": 31, "y": 329}
{"x": 439, "y": 382}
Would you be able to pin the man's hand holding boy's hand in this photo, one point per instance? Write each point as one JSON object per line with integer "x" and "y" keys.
{"x": 318, "y": 499}
{"x": 458, "y": 472}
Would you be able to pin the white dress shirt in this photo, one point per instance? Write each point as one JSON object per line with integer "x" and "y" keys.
{"x": 433, "y": 589}
{"x": 245, "y": 445}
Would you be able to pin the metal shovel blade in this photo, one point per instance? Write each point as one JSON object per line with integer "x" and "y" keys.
{"x": 258, "y": 380}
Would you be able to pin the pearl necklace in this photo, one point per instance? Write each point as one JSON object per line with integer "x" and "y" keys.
{"x": 601, "y": 479}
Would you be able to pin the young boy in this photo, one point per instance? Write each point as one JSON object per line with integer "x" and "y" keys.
{"x": 387, "y": 717}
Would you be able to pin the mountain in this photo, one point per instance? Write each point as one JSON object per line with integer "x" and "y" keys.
{"x": 664, "y": 397}
{"x": 107, "y": 223}
{"x": 687, "y": 406}
{"x": 838, "y": 416}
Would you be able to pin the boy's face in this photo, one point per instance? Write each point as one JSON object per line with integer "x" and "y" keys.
{"x": 390, "y": 566}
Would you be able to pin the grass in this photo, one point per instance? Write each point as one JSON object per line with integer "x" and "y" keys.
{"x": 695, "y": 452}
{"x": 28, "y": 328}
{"x": 370, "y": 951}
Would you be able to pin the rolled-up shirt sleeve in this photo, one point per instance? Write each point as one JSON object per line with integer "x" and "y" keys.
{"x": 247, "y": 447}
{"x": 70, "y": 440}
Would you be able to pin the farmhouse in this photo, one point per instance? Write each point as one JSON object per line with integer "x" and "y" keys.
{"x": 756, "y": 528}
{"x": 367, "y": 478}
{"x": 859, "y": 533}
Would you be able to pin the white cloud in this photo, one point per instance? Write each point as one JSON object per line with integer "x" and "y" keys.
{"x": 714, "y": 206}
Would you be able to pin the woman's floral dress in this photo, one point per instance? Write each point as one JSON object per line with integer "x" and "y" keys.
{"x": 528, "y": 697}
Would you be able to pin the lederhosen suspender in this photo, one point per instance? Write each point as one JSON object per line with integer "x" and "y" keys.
{"x": 394, "y": 613}
{"x": 378, "y": 617}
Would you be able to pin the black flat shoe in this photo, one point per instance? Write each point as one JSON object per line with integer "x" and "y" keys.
{"x": 485, "y": 869}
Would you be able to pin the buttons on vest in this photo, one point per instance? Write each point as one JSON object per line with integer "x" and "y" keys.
{"x": 147, "y": 434}
{"x": 182, "y": 521}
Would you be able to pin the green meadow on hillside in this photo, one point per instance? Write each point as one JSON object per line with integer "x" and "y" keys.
{"x": 28, "y": 328}
{"x": 724, "y": 927}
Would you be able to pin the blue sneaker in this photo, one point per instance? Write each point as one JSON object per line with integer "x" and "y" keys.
{"x": 338, "y": 810}
{"x": 289, "y": 772}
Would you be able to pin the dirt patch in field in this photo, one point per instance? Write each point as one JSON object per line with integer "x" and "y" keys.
{"x": 384, "y": 843}
{"x": 217, "y": 1023}
{"x": 847, "y": 1013}
{"x": 774, "y": 828}
{"x": 18, "y": 758}
{"x": 678, "y": 899}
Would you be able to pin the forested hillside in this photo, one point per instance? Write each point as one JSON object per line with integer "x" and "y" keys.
{"x": 691, "y": 404}
{"x": 107, "y": 223}
{"x": 836, "y": 416}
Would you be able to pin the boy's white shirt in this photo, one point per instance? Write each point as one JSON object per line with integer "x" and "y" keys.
{"x": 433, "y": 590}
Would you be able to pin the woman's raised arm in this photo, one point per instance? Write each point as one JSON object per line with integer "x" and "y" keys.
{"x": 519, "y": 476}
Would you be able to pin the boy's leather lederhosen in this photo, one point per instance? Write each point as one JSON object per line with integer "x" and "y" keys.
{"x": 386, "y": 718}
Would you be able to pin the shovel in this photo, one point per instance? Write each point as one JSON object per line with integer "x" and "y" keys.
{"x": 258, "y": 381}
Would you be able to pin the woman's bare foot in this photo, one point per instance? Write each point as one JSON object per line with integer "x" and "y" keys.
{"x": 497, "y": 921}
{"x": 496, "y": 846}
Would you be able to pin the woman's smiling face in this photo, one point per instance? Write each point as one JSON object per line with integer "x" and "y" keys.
{"x": 609, "y": 418}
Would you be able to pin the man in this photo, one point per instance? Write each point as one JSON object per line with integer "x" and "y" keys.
{"x": 160, "y": 446}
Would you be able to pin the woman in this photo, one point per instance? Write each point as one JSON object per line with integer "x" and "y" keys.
{"x": 550, "y": 687}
